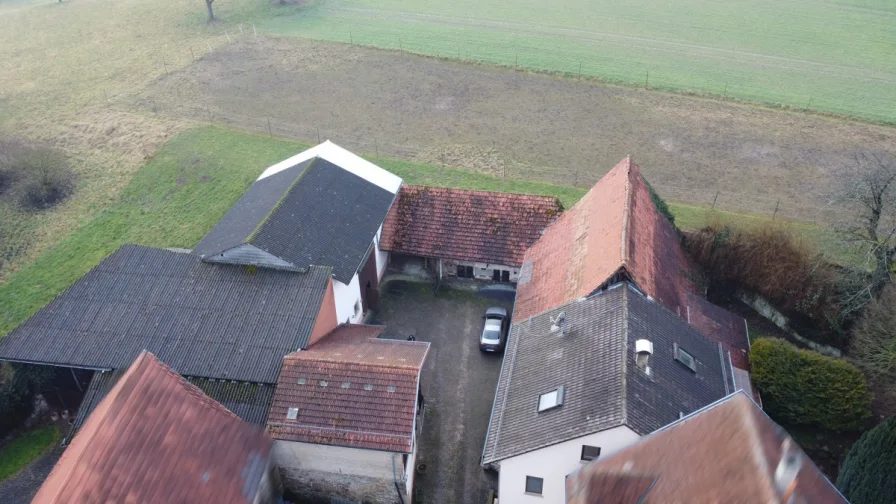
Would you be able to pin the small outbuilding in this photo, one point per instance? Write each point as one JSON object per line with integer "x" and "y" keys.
{"x": 463, "y": 233}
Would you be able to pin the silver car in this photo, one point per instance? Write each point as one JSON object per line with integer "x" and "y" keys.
{"x": 494, "y": 330}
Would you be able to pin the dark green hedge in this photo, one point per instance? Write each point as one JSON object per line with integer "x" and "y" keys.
{"x": 805, "y": 387}
{"x": 867, "y": 475}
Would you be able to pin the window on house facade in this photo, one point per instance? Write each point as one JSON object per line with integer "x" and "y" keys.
{"x": 534, "y": 485}
{"x": 505, "y": 276}
{"x": 464, "y": 271}
{"x": 590, "y": 453}
{"x": 685, "y": 358}
{"x": 550, "y": 400}
{"x": 496, "y": 275}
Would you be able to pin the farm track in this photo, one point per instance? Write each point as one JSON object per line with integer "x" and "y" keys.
{"x": 745, "y": 158}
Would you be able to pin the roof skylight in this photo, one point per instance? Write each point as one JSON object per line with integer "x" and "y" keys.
{"x": 551, "y": 400}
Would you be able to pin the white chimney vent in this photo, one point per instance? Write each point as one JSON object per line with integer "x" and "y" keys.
{"x": 558, "y": 323}
{"x": 643, "y": 345}
{"x": 643, "y": 349}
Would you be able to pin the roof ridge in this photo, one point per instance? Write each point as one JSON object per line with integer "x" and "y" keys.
{"x": 626, "y": 210}
{"x": 462, "y": 189}
{"x": 291, "y": 186}
{"x": 750, "y": 424}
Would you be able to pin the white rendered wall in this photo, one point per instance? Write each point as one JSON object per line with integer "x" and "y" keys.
{"x": 346, "y": 296}
{"x": 553, "y": 464}
{"x": 382, "y": 257}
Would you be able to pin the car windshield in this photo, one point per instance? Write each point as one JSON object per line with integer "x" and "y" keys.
{"x": 492, "y": 330}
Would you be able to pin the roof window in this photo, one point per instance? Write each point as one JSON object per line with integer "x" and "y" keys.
{"x": 391, "y": 388}
{"x": 368, "y": 387}
{"x": 685, "y": 358}
{"x": 324, "y": 383}
{"x": 292, "y": 413}
{"x": 550, "y": 400}
{"x": 300, "y": 381}
{"x": 346, "y": 384}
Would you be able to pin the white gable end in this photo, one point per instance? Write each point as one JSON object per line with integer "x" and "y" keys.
{"x": 344, "y": 159}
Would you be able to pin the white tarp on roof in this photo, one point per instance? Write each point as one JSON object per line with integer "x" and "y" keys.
{"x": 344, "y": 159}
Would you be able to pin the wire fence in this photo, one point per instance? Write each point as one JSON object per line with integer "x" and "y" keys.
{"x": 192, "y": 107}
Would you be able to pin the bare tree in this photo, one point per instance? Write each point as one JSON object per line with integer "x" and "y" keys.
{"x": 211, "y": 13}
{"x": 868, "y": 196}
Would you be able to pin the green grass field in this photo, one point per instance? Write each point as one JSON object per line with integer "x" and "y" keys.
{"x": 829, "y": 56}
{"x": 192, "y": 182}
{"x": 25, "y": 448}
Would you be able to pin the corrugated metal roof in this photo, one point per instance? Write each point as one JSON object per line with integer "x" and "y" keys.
{"x": 205, "y": 320}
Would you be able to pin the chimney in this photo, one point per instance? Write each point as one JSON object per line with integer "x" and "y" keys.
{"x": 787, "y": 470}
{"x": 558, "y": 323}
{"x": 643, "y": 351}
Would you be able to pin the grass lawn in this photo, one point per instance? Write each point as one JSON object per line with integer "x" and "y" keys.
{"x": 25, "y": 448}
{"x": 190, "y": 184}
{"x": 828, "y": 56}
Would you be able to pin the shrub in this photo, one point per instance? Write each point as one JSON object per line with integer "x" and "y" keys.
{"x": 805, "y": 387}
{"x": 18, "y": 385}
{"x": 660, "y": 204}
{"x": 48, "y": 179}
{"x": 874, "y": 337}
{"x": 867, "y": 473}
{"x": 772, "y": 263}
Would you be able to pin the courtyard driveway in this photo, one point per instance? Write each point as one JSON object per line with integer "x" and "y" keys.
{"x": 458, "y": 385}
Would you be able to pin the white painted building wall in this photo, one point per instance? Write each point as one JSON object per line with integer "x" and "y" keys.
{"x": 553, "y": 463}
{"x": 348, "y": 298}
{"x": 481, "y": 271}
{"x": 382, "y": 257}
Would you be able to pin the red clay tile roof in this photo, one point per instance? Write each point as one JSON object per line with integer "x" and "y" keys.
{"x": 614, "y": 228}
{"x": 350, "y": 389}
{"x": 157, "y": 438}
{"x": 466, "y": 225}
{"x": 722, "y": 326}
{"x": 727, "y": 452}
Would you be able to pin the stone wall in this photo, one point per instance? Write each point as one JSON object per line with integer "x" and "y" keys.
{"x": 316, "y": 473}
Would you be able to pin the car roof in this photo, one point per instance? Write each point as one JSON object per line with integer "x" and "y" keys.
{"x": 496, "y": 310}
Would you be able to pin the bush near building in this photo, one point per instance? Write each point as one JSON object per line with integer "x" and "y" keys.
{"x": 802, "y": 387}
{"x": 867, "y": 473}
{"x": 769, "y": 261}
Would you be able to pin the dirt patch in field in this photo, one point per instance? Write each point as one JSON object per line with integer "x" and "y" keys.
{"x": 523, "y": 125}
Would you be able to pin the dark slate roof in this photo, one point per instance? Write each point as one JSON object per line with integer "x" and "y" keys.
{"x": 595, "y": 363}
{"x": 313, "y": 213}
{"x": 205, "y": 320}
{"x": 249, "y": 401}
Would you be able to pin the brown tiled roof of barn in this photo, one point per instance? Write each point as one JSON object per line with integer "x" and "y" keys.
{"x": 614, "y": 228}
{"x": 157, "y": 438}
{"x": 351, "y": 389}
{"x": 467, "y": 225}
{"x": 720, "y": 325}
{"x": 727, "y": 452}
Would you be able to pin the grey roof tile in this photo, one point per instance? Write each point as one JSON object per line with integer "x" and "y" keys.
{"x": 595, "y": 363}
{"x": 314, "y": 213}
{"x": 202, "y": 319}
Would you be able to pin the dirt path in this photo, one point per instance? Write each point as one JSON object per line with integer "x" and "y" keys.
{"x": 523, "y": 125}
